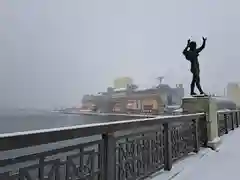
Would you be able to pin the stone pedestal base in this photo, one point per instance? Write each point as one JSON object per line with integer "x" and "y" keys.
{"x": 207, "y": 105}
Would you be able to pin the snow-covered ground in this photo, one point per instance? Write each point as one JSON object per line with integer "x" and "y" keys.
{"x": 208, "y": 164}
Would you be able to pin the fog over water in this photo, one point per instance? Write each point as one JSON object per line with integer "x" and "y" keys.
{"x": 17, "y": 121}
{"x": 53, "y": 52}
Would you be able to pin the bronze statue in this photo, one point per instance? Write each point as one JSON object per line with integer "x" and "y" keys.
{"x": 191, "y": 53}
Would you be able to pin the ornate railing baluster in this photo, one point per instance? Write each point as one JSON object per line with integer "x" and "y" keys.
{"x": 41, "y": 168}
{"x": 100, "y": 160}
{"x": 232, "y": 120}
{"x": 109, "y": 156}
{"x": 226, "y": 123}
{"x": 236, "y": 118}
{"x": 81, "y": 158}
{"x": 167, "y": 147}
{"x": 57, "y": 171}
{"x": 196, "y": 136}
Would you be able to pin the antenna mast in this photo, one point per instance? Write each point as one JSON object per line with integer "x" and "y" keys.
{"x": 160, "y": 79}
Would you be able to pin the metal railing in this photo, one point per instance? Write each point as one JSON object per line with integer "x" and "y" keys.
{"x": 122, "y": 150}
{"x": 228, "y": 120}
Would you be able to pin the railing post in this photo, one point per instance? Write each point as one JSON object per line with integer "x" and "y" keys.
{"x": 109, "y": 156}
{"x": 226, "y": 123}
{"x": 196, "y": 136}
{"x": 238, "y": 116}
{"x": 232, "y": 121}
{"x": 167, "y": 147}
{"x": 236, "y": 119}
{"x": 41, "y": 168}
{"x": 219, "y": 124}
{"x": 202, "y": 127}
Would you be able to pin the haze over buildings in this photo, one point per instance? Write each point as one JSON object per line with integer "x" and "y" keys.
{"x": 126, "y": 97}
{"x": 53, "y": 52}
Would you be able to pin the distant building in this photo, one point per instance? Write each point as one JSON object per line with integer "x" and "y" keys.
{"x": 233, "y": 93}
{"x": 133, "y": 100}
{"x": 122, "y": 82}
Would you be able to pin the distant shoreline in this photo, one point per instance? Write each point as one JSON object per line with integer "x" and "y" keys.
{"x": 110, "y": 114}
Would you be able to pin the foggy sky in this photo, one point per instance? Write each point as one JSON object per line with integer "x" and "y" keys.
{"x": 53, "y": 52}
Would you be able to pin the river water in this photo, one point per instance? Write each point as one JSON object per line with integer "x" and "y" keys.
{"x": 16, "y": 121}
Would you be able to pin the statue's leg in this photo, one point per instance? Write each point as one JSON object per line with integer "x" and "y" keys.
{"x": 198, "y": 83}
{"x": 192, "y": 86}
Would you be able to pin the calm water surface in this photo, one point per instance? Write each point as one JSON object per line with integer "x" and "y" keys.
{"x": 15, "y": 121}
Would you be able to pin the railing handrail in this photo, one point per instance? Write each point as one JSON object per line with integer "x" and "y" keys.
{"x": 227, "y": 111}
{"x": 103, "y": 124}
{"x": 18, "y": 140}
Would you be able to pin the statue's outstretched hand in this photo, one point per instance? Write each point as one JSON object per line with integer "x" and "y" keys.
{"x": 204, "y": 38}
{"x": 188, "y": 42}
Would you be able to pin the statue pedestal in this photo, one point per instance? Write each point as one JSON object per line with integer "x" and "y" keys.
{"x": 209, "y": 106}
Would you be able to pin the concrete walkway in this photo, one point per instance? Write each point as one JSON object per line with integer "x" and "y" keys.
{"x": 209, "y": 165}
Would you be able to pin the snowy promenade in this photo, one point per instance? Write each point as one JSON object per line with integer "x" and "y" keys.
{"x": 208, "y": 164}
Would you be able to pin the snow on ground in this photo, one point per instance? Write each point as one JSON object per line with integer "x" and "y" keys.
{"x": 208, "y": 164}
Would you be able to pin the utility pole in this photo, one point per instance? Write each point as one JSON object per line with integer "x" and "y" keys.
{"x": 160, "y": 79}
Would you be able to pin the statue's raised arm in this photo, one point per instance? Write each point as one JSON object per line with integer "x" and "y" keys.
{"x": 202, "y": 46}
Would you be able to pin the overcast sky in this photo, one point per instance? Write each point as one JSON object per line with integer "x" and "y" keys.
{"x": 53, "y": 52}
